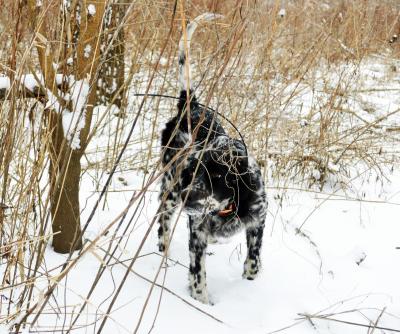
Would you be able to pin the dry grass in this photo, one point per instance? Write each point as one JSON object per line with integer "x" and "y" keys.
{"x": 255, "y": 66}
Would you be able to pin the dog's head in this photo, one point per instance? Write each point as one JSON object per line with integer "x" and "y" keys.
{"x": 211, "y": 179}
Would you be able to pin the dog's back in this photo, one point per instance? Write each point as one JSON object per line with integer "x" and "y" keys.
{"x": 204, "y": 126}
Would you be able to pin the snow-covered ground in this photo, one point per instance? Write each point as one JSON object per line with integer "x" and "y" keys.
{"x": 325, "y": 255}
{"x": 330, "y": 258}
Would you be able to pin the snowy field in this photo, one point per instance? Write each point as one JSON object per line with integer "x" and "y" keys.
{"x": 330, "y": 257}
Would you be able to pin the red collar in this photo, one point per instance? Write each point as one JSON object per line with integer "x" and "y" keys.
{"x": 230, "y": 209}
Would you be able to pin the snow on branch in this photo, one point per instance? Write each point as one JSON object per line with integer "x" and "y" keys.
{"x": 29, "y": 85}
{"x": 74, "y": 121}
{"x": 4, "y": 83}
{"x": 71, "y": 106}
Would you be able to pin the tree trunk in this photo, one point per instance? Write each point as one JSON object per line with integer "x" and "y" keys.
{"x": 82, "y": 26}
{"x": 110, "y": 84}
{"x": 65, "y": 171}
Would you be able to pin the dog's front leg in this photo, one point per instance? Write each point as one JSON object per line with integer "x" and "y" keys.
{"x": 252, "y": 265}
{"x": 168, "y": 199}
{"x": 197, "y": 251}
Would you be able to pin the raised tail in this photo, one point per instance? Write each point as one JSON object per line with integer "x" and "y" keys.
{"x": 184, "y": 48}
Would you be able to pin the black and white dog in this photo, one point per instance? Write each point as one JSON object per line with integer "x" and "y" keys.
{"x": 220, "y": 186}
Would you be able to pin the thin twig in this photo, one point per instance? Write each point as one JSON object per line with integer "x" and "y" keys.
{"x": 322, "y": 317}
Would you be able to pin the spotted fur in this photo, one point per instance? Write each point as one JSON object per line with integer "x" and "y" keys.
{"x": 206, "y": 172}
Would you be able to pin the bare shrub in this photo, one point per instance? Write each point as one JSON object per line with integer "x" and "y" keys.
{"x": 293, "y": 84}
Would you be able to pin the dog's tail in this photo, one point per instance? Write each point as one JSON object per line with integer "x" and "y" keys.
{"x": 184, "y": 48}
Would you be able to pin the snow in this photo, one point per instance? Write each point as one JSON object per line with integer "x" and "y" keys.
{"x": 313, "y": 272}
{"x": 316, "y": 174}
{"x": 163, "y": 61}
{"x": 87, "y": 50}
{"x": 21, "y": 315}
{"x": 30, "y": 81}
{"x": 329, "y": 253}
{"x": 34, "y": 81}
{"x": 74, "y": 121}
{"x": 67, "y": 4}
{"x": 4, "y": 83}
{"x": 282, "y": 12}
{"x": 155, "y": 58}
{"x": 91, "y": 10}
{"x": 52, "y": 102}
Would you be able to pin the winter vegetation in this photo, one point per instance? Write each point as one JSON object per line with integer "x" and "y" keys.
{"x": 86, "y": 88}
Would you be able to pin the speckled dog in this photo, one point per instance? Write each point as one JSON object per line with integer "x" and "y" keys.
{"x": 220, "y": 186}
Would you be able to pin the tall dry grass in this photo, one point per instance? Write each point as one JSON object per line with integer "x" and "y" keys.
{"x": 254, "y": 66}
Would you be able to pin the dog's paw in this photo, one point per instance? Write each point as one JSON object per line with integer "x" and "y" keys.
{"x": 251, "y": 269}
{"x": 163, "y": 244}
{"x": 212, "y": 239}
{"x": 249, "y": 276}
{"x": 201, "y": 296}
{"x": 161, "y": 247}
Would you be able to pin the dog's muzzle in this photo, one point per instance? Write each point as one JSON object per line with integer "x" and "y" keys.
{"x": 199, "y": 202}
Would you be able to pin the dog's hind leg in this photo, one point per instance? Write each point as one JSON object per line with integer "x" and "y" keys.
{"x": 252, "y": 265}
{"x": 168, "y": 199}
{"x": 197, "y": 252}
